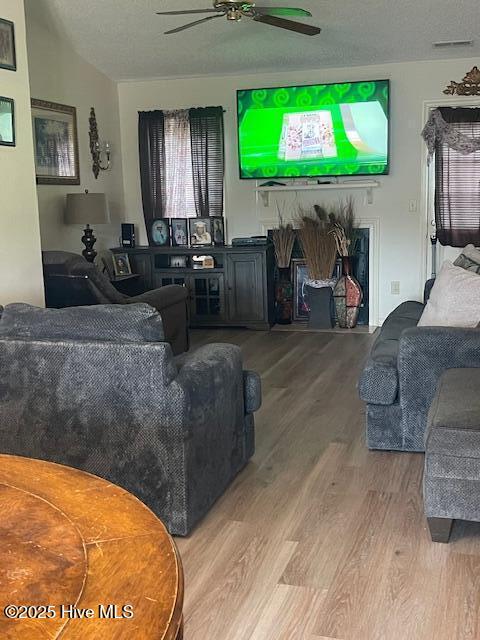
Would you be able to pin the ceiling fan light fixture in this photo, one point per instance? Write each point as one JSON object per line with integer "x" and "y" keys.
{"x": 235, "y": 10}
{"x": 234, "y": 15}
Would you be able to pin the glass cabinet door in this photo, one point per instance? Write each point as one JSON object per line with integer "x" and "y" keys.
{"x": 207, "y": 298}
{"x": 164, "y": 278}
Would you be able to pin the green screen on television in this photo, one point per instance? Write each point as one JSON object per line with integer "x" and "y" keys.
{"x": 314, "y": 130}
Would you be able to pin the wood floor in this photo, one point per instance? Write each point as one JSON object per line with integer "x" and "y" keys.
{"x": 318, "y": 538}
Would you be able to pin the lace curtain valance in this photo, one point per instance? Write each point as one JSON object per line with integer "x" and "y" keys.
{"x": 438, "y": 131}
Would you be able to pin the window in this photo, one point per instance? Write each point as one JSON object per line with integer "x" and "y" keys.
{"x": 179, "y": 197}
{"x": 181, "y": 163}
{"x": 457, "y": 176}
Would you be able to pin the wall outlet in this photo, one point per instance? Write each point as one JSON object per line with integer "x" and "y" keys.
{"x": 395, "y": 288}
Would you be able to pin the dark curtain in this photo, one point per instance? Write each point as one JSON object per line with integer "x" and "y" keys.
{"x": 457, "y": 183}
{"x": 206, "y": 132}
{"x": 151, "y": 143}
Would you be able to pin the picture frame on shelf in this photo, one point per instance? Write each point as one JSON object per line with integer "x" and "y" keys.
{"x": 178, "y": 262}
{"x": 200, "y": 232}
{"x": 55, "y": 140}
{"x": 299, "y": 276}
{"x": 179, "y": 231}
{"x": 218, "y": 231}
{"x": 8, "y": 56}
{"x": 7, "y": 122}
{"x": 121, "y": 264}
{"x": 160, "y": 232}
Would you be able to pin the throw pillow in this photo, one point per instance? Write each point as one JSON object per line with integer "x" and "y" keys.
{"x": 469, "y": 259}
{"x": 454, "y": 300}
{"x": 110, "y": 322}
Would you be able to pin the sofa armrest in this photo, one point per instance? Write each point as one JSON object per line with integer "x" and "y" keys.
{"x": 212, "y": 379}
{"x": 425, "y": 352}
{"x": 428, "y": 289}
{"x": 171, "y": 303}
{"x": 163, "y": 297}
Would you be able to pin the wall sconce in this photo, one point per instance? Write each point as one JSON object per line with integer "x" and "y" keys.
{"x": 100, "y": 150}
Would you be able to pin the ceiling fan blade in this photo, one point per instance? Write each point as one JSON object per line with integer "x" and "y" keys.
{"x": 282, "y": 11}
{"x": 299, "y": 27}
{"x": 181, "y": 13}
{"x": 192, "y": 24}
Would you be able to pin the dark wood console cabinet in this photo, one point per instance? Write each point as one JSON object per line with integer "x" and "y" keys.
{"x": 239, "y": 291}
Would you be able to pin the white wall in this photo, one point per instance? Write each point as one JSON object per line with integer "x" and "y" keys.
{"x": 20, "y": 258}
{"x": 400, "y": 242}
{"x": 58, "y": 74}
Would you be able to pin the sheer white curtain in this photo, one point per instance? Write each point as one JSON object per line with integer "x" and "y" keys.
{"x": 180, "y": 199}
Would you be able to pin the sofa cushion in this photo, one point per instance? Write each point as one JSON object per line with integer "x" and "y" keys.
{"x": 379, "y": 380}
{"x": 469, "y": 259}
{"x": 111, "y": 323}
{"x": 454, "y": 417}
{"x": 405, "y": 316}
{"x": 454, "y": 300}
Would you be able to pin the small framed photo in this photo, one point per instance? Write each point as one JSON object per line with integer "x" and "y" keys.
{"x": 7, "y": 122}
{"x": 55, "y": 141}
{"x": 121, "y": 264}
{"x": 301, "y": 309}
{"x": 179, "y": 228}
{"x": 178, "y": 262}
{"x": 8, "y": 59}
{"x": 218, "y": 231}
{"x": 200, "y": 232}
{"x": 160, "y": 232}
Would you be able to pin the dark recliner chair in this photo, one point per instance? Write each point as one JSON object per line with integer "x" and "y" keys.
{"x": 71, "y": 281}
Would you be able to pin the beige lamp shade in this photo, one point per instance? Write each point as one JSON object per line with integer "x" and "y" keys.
{"x": 86, "y": 208}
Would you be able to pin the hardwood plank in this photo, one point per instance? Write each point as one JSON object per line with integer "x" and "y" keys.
{"x": 287, "y": 614}
{"x": 319, "y": 538}
{"x": 460, "y": 588}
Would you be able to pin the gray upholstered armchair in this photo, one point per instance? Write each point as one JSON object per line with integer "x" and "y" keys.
{"x": 71, "y": 281}
{"x": 98, "y": 388}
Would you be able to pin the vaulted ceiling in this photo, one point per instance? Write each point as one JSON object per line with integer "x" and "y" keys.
{"x": 125, "y": 40}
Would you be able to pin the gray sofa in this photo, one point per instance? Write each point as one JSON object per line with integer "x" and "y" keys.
{"x": 451, "y": 482}
{"x": 71, "y": 281}
{"x": 98, "y": 388}
{"x": 400, "y": 376}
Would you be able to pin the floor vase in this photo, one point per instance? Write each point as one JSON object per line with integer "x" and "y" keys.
{"x": 284, "y": 297}
{"x": 348, "y": 296}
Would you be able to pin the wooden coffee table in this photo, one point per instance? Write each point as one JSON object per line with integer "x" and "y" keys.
{"x": 81, "y": 558}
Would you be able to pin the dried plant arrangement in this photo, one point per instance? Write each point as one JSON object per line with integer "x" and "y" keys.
{"x": 317, "y": 241}
{"x": 283, "y": 239}
{"x": 344, "y": 228}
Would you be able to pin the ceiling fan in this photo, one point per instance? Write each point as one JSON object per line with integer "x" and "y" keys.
{"x": 235, "y": 10}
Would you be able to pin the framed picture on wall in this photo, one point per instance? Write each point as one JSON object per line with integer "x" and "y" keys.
{"x": 218, "y": 231}
{"x": 300, "y": 303}
{"x": 55, "y": 142}
{"x": 7, "y": 122}
{"x": 179, "y": 232}
{"x": 160, "y": 232}
{"x": 8, "y": 59}
{"x": 200, "y": 232}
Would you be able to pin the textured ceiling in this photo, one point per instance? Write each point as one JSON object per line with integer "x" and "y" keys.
{"x": 124, "y": 38}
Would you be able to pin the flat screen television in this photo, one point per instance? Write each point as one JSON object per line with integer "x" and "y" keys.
{"x": 314, "y": 130}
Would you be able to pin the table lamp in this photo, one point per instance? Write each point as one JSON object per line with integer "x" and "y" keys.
{"x": 87, "y": 208}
